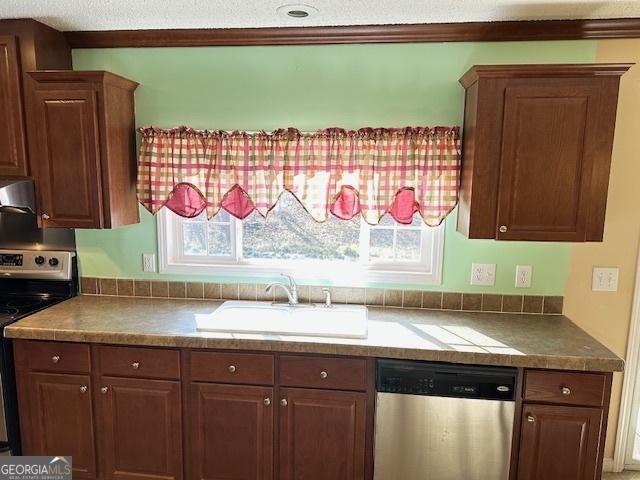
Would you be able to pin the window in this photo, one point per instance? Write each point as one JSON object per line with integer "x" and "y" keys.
{"x": 289, "y": 241}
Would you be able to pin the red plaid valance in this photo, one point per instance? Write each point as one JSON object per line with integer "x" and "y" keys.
{"x": 344, "y": 172}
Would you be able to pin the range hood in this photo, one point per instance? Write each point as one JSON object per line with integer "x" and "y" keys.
{"x": 19, "y": 224}
{"x": 17, "y": 195}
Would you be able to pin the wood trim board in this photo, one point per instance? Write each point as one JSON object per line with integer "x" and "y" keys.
{"x": 405, "y": 33}
{"x": 624, "y": 433}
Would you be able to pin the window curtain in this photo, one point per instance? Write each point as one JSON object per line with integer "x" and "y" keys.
{"x": 369, "y": 172}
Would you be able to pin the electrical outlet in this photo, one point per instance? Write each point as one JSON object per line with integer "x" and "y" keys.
{"x": 523, "y": 276}
{"x": 605, "y": 279}
{"x": 148, "y": 262}
{"x": 483, "y": 274}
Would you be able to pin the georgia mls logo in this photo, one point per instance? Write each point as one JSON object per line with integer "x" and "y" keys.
{"x": 35, "y": 468}
{"x": 59, "y": 466}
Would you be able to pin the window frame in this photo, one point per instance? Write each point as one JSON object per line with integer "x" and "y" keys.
{"x": 171, "y": 260}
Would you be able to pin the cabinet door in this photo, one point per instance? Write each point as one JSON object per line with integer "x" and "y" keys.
{"x": 231, "y": 432}
{"x": 141, "y": 429}
{"x": 12, "y": 138}
{"x": 559, "y": 443}
{"x": 65, "y": 157}
{"x": 322, "y": 435}
{"x": 549, "y": 144}
{"x": 61, "y": 419}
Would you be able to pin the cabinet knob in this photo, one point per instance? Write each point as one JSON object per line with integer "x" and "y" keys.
{"x": 232, "y": 369}
{"x": 566, "y": 391}
{"x": 284, "y": 402}
{"x": 83, "y": 389}
{"x": 267, "y": 401}
{"x": 135, "y": 365}
{"x": 45, "y": 216}
{"x": 104, "y": 390}
{"x": 323, "y": 374}
{"x": 531, "y": 419}
{"x": 503, "y": 228}
{"x": 55, "y": 358}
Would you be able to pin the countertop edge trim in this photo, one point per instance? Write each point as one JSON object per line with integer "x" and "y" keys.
{"x": 177, "y": 341}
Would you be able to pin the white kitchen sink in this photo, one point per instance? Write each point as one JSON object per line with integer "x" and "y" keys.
{"x": 341, "y": 321}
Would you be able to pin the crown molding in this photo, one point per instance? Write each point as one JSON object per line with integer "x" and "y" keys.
{"x": 409, "y": 33}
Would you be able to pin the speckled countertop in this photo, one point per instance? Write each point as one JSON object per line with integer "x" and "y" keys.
{"x": 538, "y": 341}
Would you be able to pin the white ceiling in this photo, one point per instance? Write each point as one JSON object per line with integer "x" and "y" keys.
{"x": 147, "y": 14}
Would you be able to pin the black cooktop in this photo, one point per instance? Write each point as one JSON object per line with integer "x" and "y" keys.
{"x": 13, "y": 307}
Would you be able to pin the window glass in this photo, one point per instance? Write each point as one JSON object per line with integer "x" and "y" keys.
{"x": 289, "y": 233}
{"x": 290, "y": 241}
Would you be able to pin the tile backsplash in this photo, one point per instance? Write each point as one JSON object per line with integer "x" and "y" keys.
{"x": 472, "y": 302}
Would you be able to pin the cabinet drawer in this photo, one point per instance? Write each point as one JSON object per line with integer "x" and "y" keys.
{"x": 57, "y": 357}
{"x": 586, "y": 389}
{"x": 139, "y": 362}
{"x": 223, "y": 367}
{"x": 323, "y": 372}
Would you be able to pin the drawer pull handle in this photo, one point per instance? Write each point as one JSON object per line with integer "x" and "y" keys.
{"x": 503, "y": 229}
{"x": 83, "y": 389}
{"x": 531, "y": 419}
{"x": 566, "y": 391}
{"x": 45, "y": 216}
{"x": 323, "y": 374}
{"x": 135, "y": 365}
{"x": 284, "y": 402}
{"x": 267, "y": 401}
{"x": 55, "y": 358}
{"x": 232, "y": 369}
{"x": 104, "y": 390}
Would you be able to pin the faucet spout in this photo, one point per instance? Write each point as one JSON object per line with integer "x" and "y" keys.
{"x": 292, "y": 294}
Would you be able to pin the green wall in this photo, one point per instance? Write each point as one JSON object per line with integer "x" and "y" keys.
{"x": 310, "y": 87}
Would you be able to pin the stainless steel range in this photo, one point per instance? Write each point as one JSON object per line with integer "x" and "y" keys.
{"x": 30, "y": 280}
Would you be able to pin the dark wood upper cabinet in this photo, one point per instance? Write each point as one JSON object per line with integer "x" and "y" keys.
{"x": 141, "y": 429}
{"x": 24, "y": 45}
{"x": 230, "y": 432}
{"x": 537, "y": 151}
{"x": 60, "y": 413}
{"x": 73, "y": 132}
{"x": 322, "y": 434}
{"x": 82, "y": 148}
{"x": 559, "y": 443}
{"x": 67, "y": 159}
{"x": 12, "y": 140}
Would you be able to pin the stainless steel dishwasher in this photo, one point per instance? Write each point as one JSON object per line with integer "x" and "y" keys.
{"x": 440, "y": 421}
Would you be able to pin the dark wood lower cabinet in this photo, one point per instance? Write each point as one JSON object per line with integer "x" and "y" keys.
{"x": 96, "y": 404}
{"x": 231, "y": 432}
{"x": 322, "y": 434}
{"x": 559, "y": 443}
{"x": 60, "y": 412}
{"x": 141, "y": 429}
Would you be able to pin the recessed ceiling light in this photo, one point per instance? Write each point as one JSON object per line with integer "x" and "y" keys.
{"x": 297, "y": 11}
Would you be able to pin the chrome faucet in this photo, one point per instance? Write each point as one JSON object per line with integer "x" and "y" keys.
{"x": 291, "y": 290}
{"x": 327, "y": 298}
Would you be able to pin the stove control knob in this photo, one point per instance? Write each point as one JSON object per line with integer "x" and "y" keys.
{"x": 39, "y": 260}
{"x": 53, "y": 261}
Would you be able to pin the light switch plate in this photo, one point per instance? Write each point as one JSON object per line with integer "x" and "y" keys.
{"x": 605, "y": 279}
{"x": 523, "y": 276}
{"x": 483, "y": 274}
{"x": 148, "y": 262}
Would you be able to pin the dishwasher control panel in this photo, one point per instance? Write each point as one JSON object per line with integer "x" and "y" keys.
{"x": 446, "y": 380}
